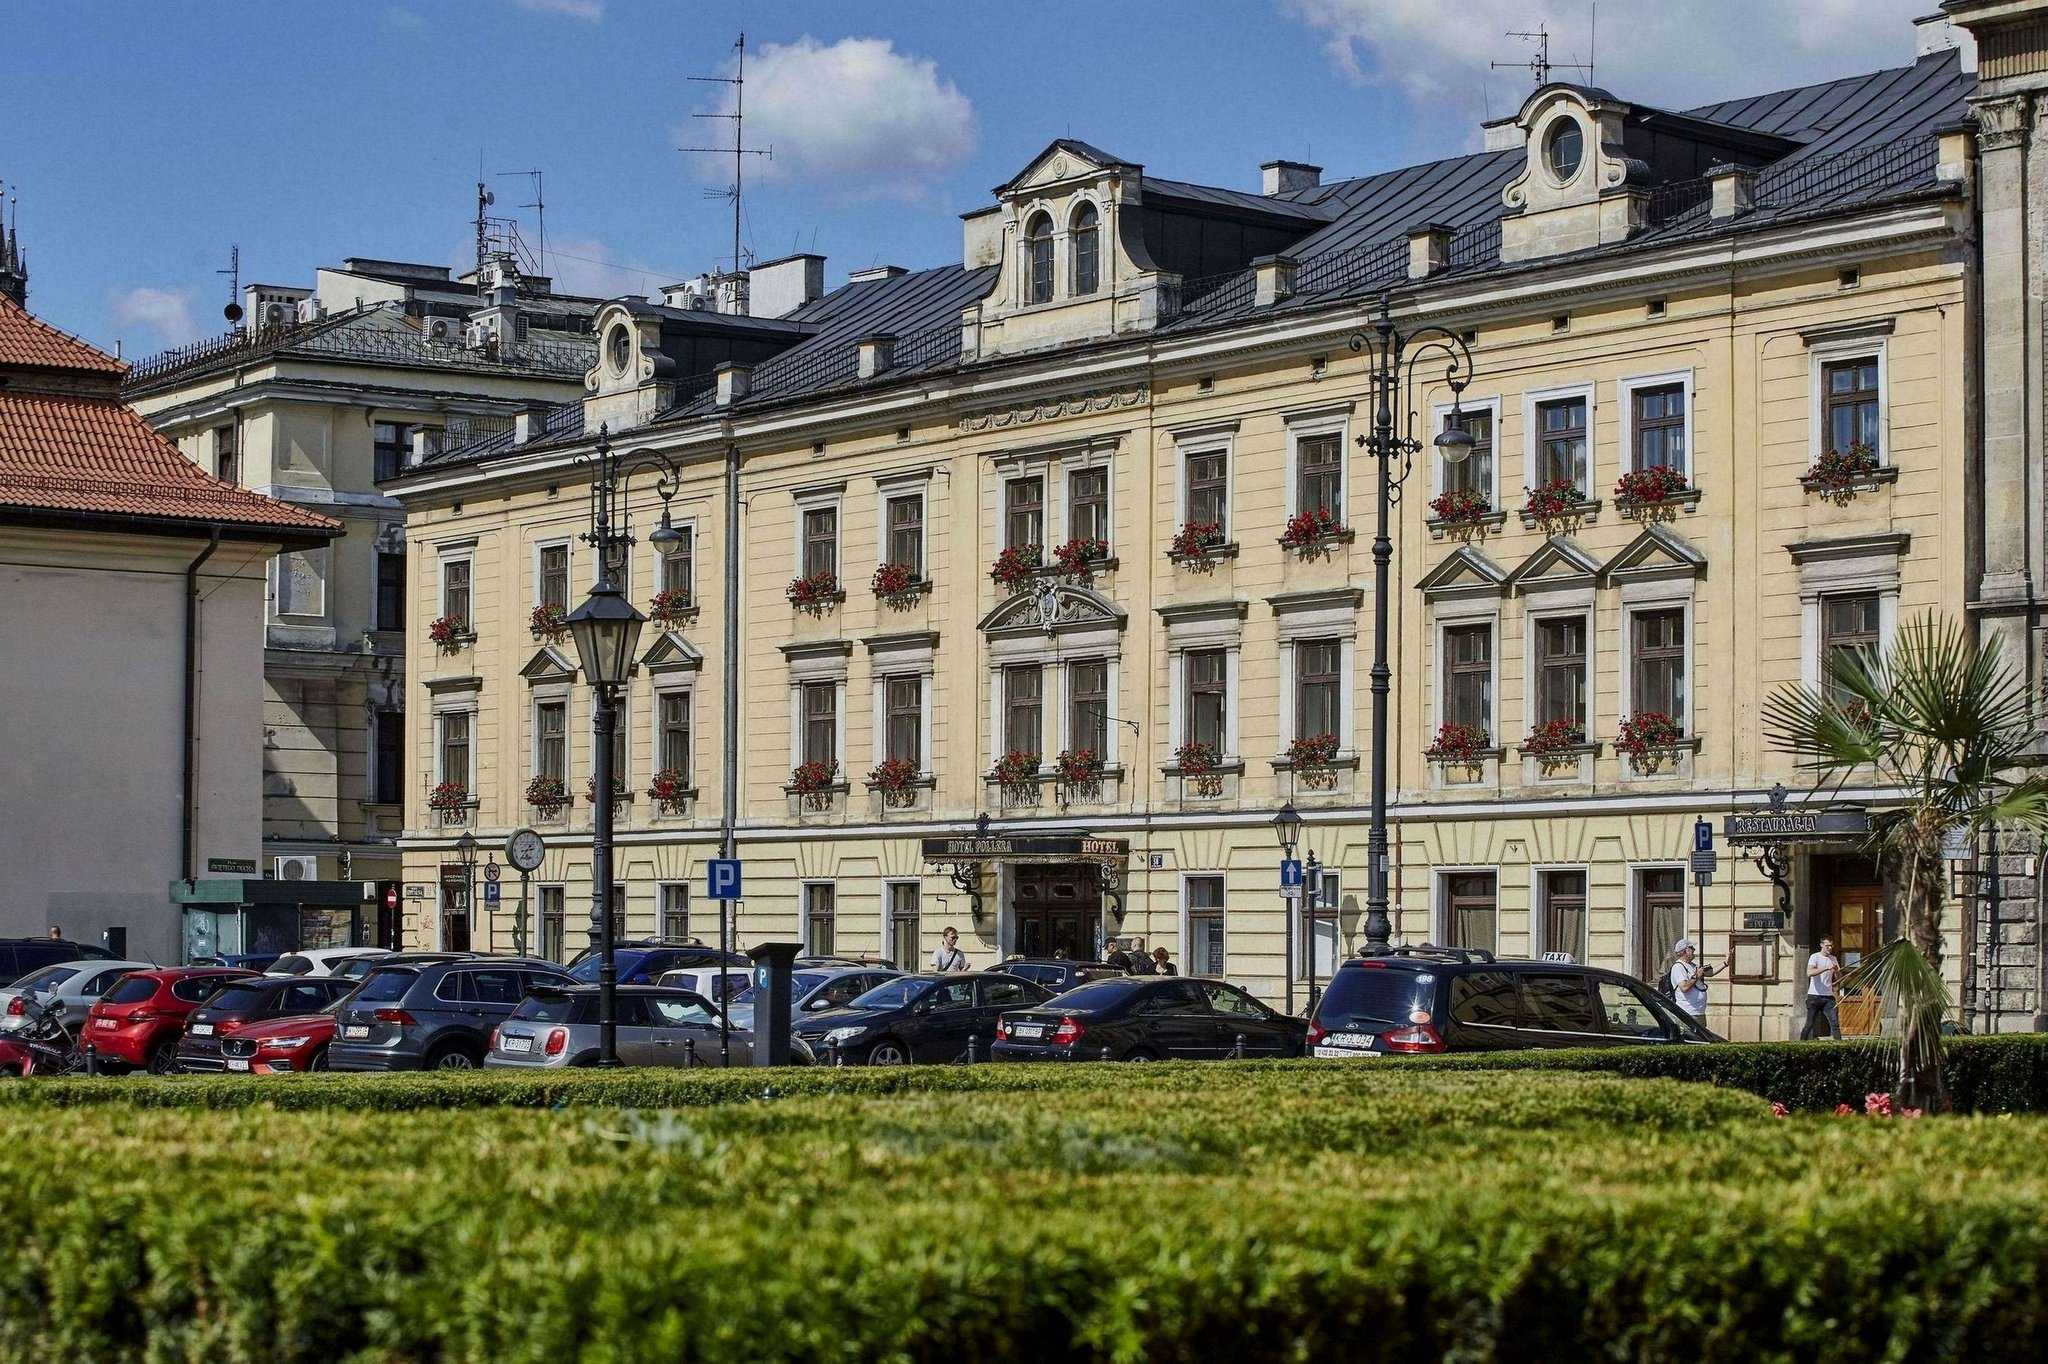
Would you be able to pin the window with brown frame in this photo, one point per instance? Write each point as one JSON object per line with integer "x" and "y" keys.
{"x": 1208, "y": 488}
{"x": 1468, "y": 676}
{"x": 1023, "y": 512}
{"x": 1849, "y": 414}
{"x": 821, "y": 722}
{"x": 1472, "y": 910}
{"x": 1208, "y": 686}
{"x": 554, "y": 576}
{"x": 1475, "y": 472}
{"x": 455, "y": 747}
{"x": 1561, "y": 442}
{"x": 679, "y": 566}
{"x": 1564, "y": 913}
{"x": 455, "y": 591}
{"x": 1848, "y": 624}
{"x": 821, "y": 540}
{"x": 1083, "y": 243}
{"x": 1659, "y": 664}
{"x": 1319, "y": 474}
{"x": 1561, "y": 669}
{"x": 1088, "y": 707}
{"x": 903, "y": 719}
{"x": 820, "y": 911}
{"x": 675, "y": 732}
{"x": 1088, "y": 504}
{"x": 1660, "y": 903}
{"x": 550, "y": 723}
{"x": 1318, "y": 684}
{"x": 1038, "y": 246}
{"x": 1660, "y": 427}
{"x": 906, "y": 532}
{"x": 1023, "y": 709}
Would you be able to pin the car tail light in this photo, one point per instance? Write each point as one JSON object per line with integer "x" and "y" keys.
{"x": 139, "y": 1016}
{"x": 1414, "y": 1037}
{"x": 558, "y": 1041}
{"x": 494, "y": 1039}
{"x": 1069, "y": 1031}
{"x": 1002, "y": 1030}
{"x": 1316, "y": 1032}
{"x": 15, "y": 1007}
{"x": 398, "y": 1016}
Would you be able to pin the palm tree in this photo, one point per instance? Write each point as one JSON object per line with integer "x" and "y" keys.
{"x": 1945, "y": 724}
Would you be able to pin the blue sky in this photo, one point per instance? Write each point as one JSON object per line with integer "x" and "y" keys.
{"x": 144, "y": 137}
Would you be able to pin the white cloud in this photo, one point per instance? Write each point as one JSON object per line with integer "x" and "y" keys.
{"x": 590, "y": 11}
{"x": 857, "y": 112}
{"x": 1670, "y": 53}
{"x": 167, "y": 312}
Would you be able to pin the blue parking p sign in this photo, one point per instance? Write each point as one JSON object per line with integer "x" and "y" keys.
{"x": 492, "y": 892}
{"x": 724, "y": 878}
{"x": 1702, "y": 836}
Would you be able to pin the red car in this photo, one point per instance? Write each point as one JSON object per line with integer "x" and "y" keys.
{"x": 276, "y": 1045}
{"x": 138, "y": 1022}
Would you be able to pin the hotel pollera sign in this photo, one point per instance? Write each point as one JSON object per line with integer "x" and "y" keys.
{"x": 1033, "y": 847}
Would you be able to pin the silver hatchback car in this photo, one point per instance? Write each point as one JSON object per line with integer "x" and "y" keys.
{"x": 657, "y": 1026}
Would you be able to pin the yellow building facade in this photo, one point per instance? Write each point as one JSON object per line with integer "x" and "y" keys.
{"x": 942, "y": 722}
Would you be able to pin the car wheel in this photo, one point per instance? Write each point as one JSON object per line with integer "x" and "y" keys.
{"x": 888, "y": 1053}
{"x": 318, "y": 1060}
{"x": 164, "y": 1060}
{"x": 454, "y": 1058}
{"x": 1140, "y": 1055}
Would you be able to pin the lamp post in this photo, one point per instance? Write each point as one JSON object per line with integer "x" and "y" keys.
{"x": 1312, "y": 900}
{"x": 1391, "y": 358}
{"x": 606, "y": 629}
{"x": 1287, "y": 828}
{"x": 465, "y": 852}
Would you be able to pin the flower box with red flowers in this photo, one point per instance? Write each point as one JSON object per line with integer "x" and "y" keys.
{"x": 1461, "y": 507}
{"x": 1553, "y": 737}
{"x": 1552, "y": 501}
{"x": 1080, "y": 556}
{"x": 808, "y": 779}
{"x": 1015, "y": 565}
{"x": 1195, "y": 540}
{"x": 893, "y": 775}
{"x": 1197, "y": 758}
{"x": 814, "y": 591}
{"x": 1078, "y": 766}
{"x": 671, "y": 607}
{"x": 590, "y": 789}
{"x": 448, "y": 632}
{"x": 547, "y": 793}
{"x": 1648, "y": 732}
{"x": 1309, "y": 530}
{"x": 1650, "y": 487}
{"x": 449, "y": 795}
{"x": 549, "y": 622}
{"x": 1837, "y": 473}
{"x": 1015, "y": 768}
{"x": 896, "y": 584}
{"x": 1312, "y": 752}
{"x": 1459, "y": 743}
{"x": 669, "y": 787}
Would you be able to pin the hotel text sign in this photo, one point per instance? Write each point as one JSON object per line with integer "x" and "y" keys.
{"x": 985, "y": 848}
{"x": 1790, "y": 824}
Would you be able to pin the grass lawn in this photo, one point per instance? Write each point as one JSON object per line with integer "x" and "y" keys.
{"x": 1141, "y": 1213}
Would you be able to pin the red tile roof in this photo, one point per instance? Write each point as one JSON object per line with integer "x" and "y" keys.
{"x": 66, "y": 453}
{"x": 26, "y": 339}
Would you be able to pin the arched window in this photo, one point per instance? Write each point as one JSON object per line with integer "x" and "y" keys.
{"x": 1085, "y": 241}
{"x": 1038, "y": 246}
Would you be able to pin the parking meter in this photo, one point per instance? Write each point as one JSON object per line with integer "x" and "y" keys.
{"x": 772, "y": 962}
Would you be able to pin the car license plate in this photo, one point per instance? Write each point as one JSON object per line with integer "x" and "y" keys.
{"x": 1029, "y": 1030}
{"x": 202, "y": 1029}
{"x": 237, "y": 1063}
{"x": 1345, "y": 1053}
{"x": 105, "y": 1023}
{"x": 356, "y": 1030}
{"x": 518, "y": 1043}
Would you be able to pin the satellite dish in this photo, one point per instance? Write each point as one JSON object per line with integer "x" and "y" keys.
{"x": 233, "y": 312}
{"x": 490, "y": 197}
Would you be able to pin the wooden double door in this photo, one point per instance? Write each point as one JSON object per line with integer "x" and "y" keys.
{"x": 1058, "y": 909}
{"x": 1857, "y": 914}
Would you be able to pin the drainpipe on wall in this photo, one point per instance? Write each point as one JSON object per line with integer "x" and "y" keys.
{"x": 191, "y": 722}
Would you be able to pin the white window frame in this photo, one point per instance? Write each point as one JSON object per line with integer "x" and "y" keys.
{"x": 1626, "y": 661}
{"x": 889, "y": 490}
{"x": 1347, "y": 667}
{"x": 1177, "y": 667}
{"x": 1537, "y": 871}
{"x": 1438, "y": 412}
{"x": 662, "y": 691}
{"x": 557, "y": 695}
{"x": 1625, "y": 395}
{"x": 1533, "y": 399}
{"x": 1319, "y": 422}
{"x": 1490, "y": 617}
{"x": 688, "y": 526}
{"x": 1071, "y": 462}
{"x": 796, "y": 721}
{"x": 440, "y": 774}
{"x": 1047, "y": 474}
{"x": 999, "y": 704}
{"x": 1822, "y": 353}
{"x": 561, "y": 542}
{"x": 1532, "y": 616}
{"x": 1187, "y": 941}
{"x": 1206, "y": 440}
{"x": 805, "y": 501}
{"x": 1440, "y": 898}
{"x": 1064, "y": 726}
{"x": 467, "y": 556}
{"x": 879, "y": 727}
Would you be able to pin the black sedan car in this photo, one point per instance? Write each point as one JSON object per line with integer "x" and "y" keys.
{"x": 256, "y": 999}
{"x": 1148, "y": 1018}
{"x": 918, "y": 1018}
{"x": 1058, "y": 974}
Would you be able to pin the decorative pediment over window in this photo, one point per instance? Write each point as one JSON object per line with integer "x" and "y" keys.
{"x": 548, "y": 666}
{"x": 1052, "y": 609}
{"x": 1464, "y": 573}
{"x": 1558, "y": 564}
{"x": 671, "y": 653}
{"x": 1064, "y": 159}
{"x": 1655, "y": 555}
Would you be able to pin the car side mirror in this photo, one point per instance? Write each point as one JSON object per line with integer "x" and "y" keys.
{"x": 813, "y": 1005}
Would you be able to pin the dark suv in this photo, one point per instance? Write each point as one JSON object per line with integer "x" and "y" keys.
{"x": 434, "y": 1015}
{"x": 642, "y": 961}
{"x": 1437, "y": 999}
{"x": 19, "y": 956}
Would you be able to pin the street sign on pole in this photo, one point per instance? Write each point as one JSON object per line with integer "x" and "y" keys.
{"x": 1290, "y": 873}
{"x": 492, "y": 892}
{"x": 723, "y": 878}
{"x": 1702, "y": 836}
{"x": 491, "y": 873}
{"x": 1703, "y": 864}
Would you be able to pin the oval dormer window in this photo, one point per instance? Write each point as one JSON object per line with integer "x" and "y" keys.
{"x": 619, "y": 347}
{"x": 1564, "y": 148}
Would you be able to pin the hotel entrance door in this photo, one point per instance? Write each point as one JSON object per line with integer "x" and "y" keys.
{"x": 1058, "y": 907}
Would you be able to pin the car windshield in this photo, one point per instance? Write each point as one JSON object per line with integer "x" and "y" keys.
{"x": 237, "y": 999}
{"x": 1097, "y": 994}
{"x": 49, "y": 978}
{"x": 545, "y": 1008}
{"x": 587, "y": 967}
{"x": 1375, "y": 994}
{"x": 383, "y": 987}
{"x": 800, "y": 984}
{"x": 131, "y": 990}
{"x": 893, "y": 994}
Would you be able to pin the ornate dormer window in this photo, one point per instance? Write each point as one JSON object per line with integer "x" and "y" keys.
{"x": 1038, "y": 250}
{"x": 1085, "y": 245}
{"x": 618, "y": 348}
{"x": 1564, "y": 148}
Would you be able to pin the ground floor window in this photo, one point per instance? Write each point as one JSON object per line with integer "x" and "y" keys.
{"x": 1660, "y": 907}
{"x": 675, "y": 910}
{"x": 819, "y": 912}
{"x": 1205, "y": 925}
{"x": 905, "y": 943}
{"x": 553, "y": 945}
{"x": 1564, "y": 913}
{"x": 1472, "y": 910}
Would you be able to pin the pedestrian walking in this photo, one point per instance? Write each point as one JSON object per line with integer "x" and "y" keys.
{"x": 1689, "y": 978}
{"x": 947, "y": 956}
{"x": 1162, "y": 964}
{"x": 1822, "y": 970}
{"x": 1114, "y": 955}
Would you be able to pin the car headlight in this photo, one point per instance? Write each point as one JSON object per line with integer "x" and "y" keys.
{"x": 286, "y": 1043}
{"x": 846, "y": 1034}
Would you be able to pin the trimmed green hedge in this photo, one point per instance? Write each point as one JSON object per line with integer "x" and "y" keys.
{"x": 1368, "y": 1212}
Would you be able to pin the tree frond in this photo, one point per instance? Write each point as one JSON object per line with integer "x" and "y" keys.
{"x": 1913, "y": 1001}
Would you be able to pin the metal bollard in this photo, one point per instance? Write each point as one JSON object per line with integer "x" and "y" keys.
{"x": 837, "y": 1058}
{"x": 92, "y": 1059}
{"x": 689, "y": 1053}
{"x": 1105, "y": 1051}
{"x": 972, "y": 1040}
{"x": 1237, "y": 1052}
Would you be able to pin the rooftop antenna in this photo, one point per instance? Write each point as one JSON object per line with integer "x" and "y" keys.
{"x": 740, "y": 151}
{"x": 1542, "y": 66}
{"x": 484, "y": 199}
{"x": 233, "y": 312}
{"x": 540, "y": 210}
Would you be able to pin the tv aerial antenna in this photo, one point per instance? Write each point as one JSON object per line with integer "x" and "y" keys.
{"x": 540, "y": 219}
{"x": 1541, "y": 66}
{"x": 233, "y": 312}
{"x": 739, "y": 151}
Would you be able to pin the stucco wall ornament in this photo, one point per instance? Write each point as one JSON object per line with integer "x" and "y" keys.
{"x": 1102, "y": 400}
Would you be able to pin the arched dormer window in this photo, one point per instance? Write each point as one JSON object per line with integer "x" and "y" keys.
{"x": 1038, "y": 251}
{"x": 1087, "y": 252}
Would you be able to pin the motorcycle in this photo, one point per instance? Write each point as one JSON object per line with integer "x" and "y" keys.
{"x": 44, "y": 1046}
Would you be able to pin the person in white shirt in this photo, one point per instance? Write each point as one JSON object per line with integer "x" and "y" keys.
{"x": 947, "y": 956}
{"x": 1822, "y": 969}
{"x": 1689, "y": 978}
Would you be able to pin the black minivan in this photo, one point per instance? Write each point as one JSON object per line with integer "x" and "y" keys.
{"x": 1449, "y": 999}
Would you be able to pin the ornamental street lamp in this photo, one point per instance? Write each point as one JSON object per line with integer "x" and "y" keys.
{"x": 1287, "y": 828}
{"x": 1392, "y": 357}
{"x": 606, "y": 630}
{"x": 465, "y": 852}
